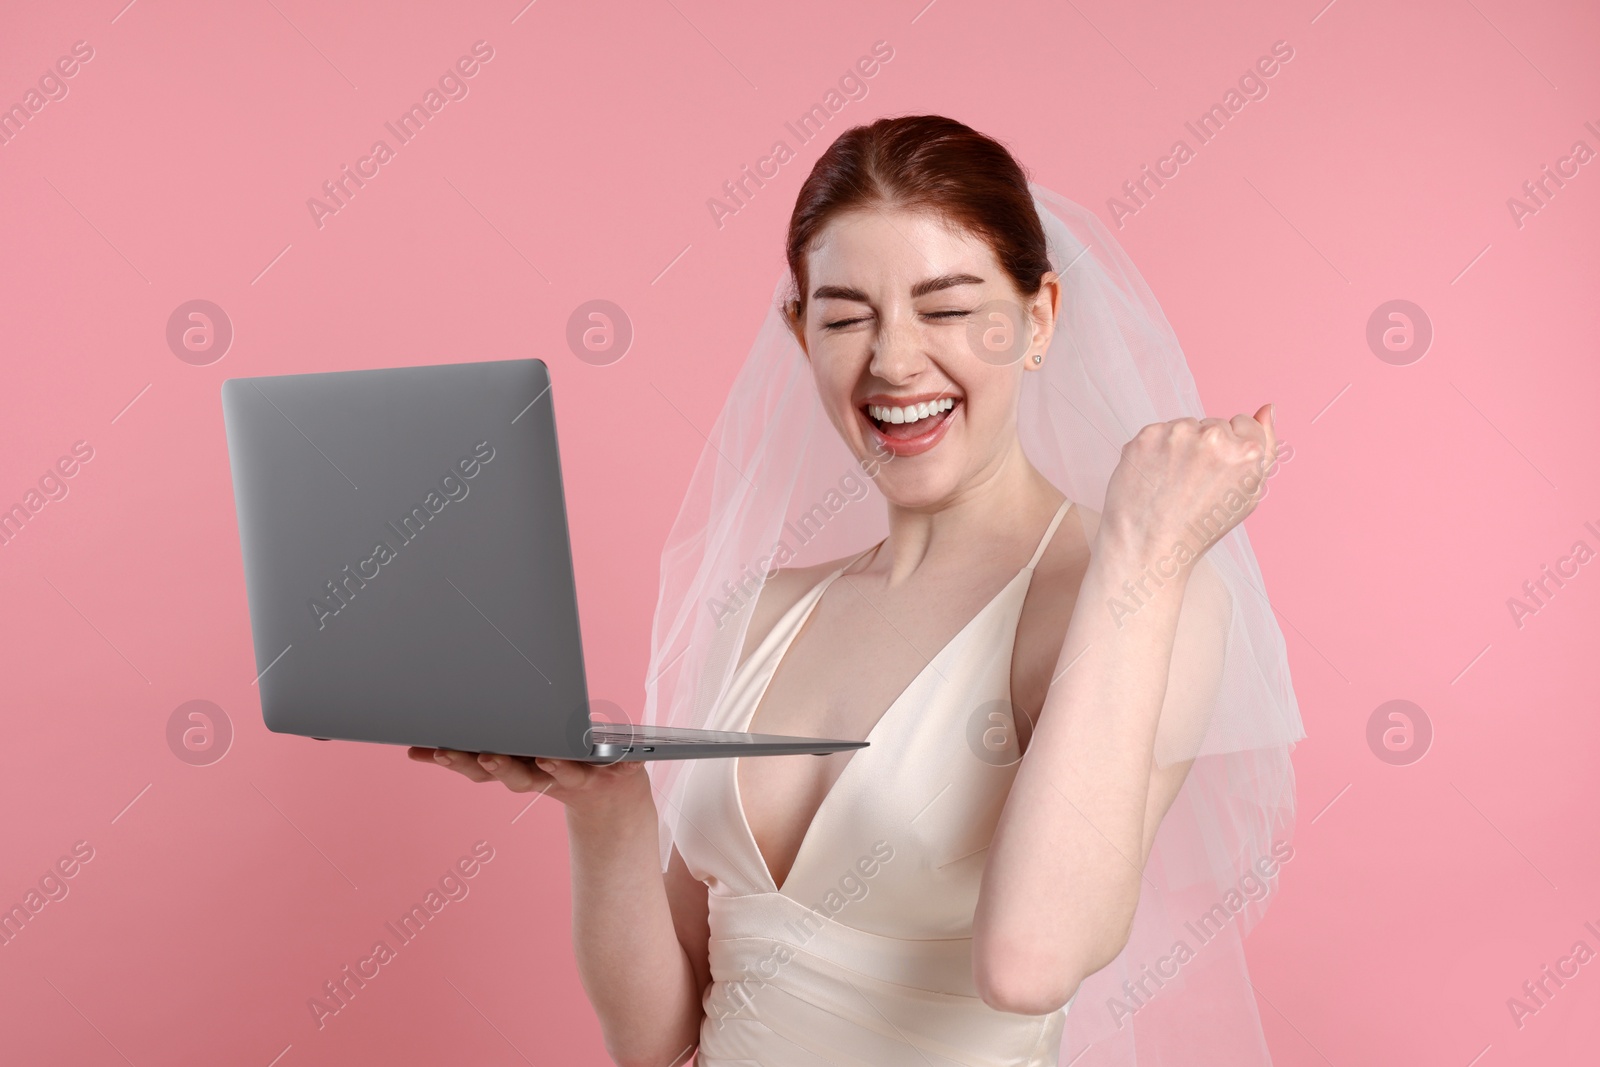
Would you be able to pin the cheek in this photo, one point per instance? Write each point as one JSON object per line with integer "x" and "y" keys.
{"x": 836, "y": 370}
{"x": 990, "y": 402}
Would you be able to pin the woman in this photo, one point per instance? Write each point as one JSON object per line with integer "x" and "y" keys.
{"x": 1040, "y": 681}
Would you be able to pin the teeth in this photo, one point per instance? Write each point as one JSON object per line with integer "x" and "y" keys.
{"x": 911, "y": 413}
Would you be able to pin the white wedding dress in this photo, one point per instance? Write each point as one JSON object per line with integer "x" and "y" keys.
{"x": 863, "y": 956}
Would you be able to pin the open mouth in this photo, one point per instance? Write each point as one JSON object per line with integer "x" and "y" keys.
{"x": 910, "y": 426}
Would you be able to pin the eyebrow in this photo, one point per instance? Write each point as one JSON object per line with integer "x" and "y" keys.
{"x": 923, "y": 288}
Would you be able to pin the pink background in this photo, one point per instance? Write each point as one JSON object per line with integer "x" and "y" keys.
{"x": 1419, "y": 499}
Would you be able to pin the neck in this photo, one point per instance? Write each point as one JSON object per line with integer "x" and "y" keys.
{"x": 1002, "y": 505}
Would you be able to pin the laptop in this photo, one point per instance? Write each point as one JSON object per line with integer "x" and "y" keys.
{"x": 409, "y": 571}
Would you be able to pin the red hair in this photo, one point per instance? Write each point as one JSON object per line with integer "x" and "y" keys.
{"x": 922, "y": 162}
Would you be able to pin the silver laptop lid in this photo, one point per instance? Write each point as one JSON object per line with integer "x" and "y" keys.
{"x": 406, "y": 556}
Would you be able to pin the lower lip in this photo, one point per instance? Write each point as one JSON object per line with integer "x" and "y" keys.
{"x": 903, "y": 447}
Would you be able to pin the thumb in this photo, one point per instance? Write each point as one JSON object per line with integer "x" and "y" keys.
{"x": 568, "y": 774}
{"x": 1269, "y": 421}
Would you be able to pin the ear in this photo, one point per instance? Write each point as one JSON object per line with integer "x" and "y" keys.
{"x": 1043, "y": 309}
{"x": 797, "y": 328}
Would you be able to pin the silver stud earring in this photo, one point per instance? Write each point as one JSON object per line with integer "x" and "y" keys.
{"x": 1038, "y": 357}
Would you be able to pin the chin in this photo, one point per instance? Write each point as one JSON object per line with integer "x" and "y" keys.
{"x": 920, "y": 482}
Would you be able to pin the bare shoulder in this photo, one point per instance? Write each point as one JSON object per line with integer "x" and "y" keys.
{"x": 781, "y": 591}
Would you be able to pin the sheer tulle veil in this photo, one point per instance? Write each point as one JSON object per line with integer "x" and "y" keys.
{"x": 775, "y": 486}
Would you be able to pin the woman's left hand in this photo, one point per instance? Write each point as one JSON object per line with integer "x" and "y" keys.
{"x": 1187, "y": 481}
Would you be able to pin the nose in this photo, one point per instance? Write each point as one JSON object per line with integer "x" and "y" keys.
{"x": 897, "y": 353}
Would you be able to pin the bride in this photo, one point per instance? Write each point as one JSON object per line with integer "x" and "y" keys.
{"x": 1052, "y": 631}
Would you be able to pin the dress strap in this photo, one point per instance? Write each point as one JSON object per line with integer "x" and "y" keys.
{"x": 822, "y": 586}
{"x": 1050, "y": 531}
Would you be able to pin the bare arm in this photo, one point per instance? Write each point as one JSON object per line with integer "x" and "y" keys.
{"x": 642, "y": 939}
{"x": 643, "y": 973}
{"x": 640, "y": 936}
{"x": 1062, "y": 878}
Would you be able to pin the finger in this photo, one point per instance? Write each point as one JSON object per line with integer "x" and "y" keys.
{"x": 462, "y": 763}
{"x": 1266, "y": 417}
{"x": 568, "y": 774}
{"x": 1270, "y": 424}
{"x": 1256, "y": 427}
{"x": 1251, "y": 429}
{"x": 514, "y": 773}
{"x": 1247, "y": 428}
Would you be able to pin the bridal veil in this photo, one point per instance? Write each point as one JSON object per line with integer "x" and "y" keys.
{"x": 776, "y": 487}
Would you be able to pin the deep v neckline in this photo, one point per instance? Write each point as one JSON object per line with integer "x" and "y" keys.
{"x": 777, "y": 656}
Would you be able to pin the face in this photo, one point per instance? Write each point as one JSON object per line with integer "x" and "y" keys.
{"x": 918, "y": 342}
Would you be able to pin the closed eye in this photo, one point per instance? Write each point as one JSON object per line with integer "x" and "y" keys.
{"x": 839, "y": 324}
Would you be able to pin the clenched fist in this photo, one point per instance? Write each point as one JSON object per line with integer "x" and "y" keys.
{"x": 1186, "y": 483}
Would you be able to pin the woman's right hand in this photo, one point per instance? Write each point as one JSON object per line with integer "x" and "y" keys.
{"x": 585, "y": 788}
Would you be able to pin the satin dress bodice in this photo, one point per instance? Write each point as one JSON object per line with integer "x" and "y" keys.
{"x": 863, "y": 956}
